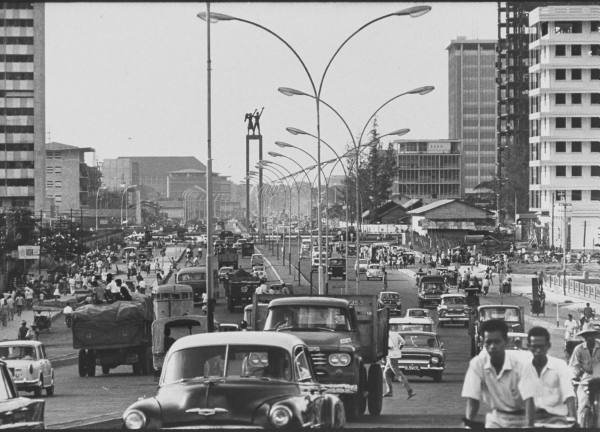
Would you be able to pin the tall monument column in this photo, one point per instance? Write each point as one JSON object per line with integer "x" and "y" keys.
{"x": 253, "y": 134}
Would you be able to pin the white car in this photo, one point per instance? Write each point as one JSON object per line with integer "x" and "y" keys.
{"x": 417, "y": 313}
{"x": 361, "y": 265}
{"x": 375, "y": 271}
{"x": 453, "y": 310}
{"x": 27, "y": 362}
{"x": 259, "y": 272}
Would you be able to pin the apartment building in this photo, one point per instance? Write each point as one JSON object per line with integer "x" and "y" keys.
{"x": 472, "y": 109}
{"x": 22, "y": 105}
{"x": 427, "y": 169}
{"x": 564, "y": 129}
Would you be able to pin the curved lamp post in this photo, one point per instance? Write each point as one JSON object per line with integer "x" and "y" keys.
{"x": 413, "y": 11}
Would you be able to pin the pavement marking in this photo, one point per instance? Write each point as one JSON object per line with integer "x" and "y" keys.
{"x": 270, "y": 265}
{"x": 88, "y": 421}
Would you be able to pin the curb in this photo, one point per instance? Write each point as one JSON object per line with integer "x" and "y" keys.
{"x": 277, "y": 275}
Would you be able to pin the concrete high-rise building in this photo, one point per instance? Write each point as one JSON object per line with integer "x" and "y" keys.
{"x": 22, "y": 105}
{"x": 472, "y": 108}
{"x": 564, "y": 138}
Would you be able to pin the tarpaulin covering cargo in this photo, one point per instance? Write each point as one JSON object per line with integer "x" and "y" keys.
{"x": 114, "y": 325}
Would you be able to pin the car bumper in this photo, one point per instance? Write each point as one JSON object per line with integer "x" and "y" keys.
{"x": 459, "y": 319}
{"x": 340, "y": 388}
{"x": 409, "y": 369}
{"x": 26, "y": 384}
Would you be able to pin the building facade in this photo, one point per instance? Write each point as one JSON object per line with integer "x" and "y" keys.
{"x": 67, "y": 176}
{"x": 427, "y": 169}
{"x": 119, "y": 172}
{"x": 472, "y": 108}
{"x": 22, "y": 105}
{"x": 564, "y": 99}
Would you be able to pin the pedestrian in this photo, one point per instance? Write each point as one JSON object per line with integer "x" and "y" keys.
{"x": 10, "y": 307}
{"x": 545, "y": 384}
{"x": 3, "y": 312}
{"x": 19, "y": 302}
{"x": 584, "y": 363}
{"x": 395, "y": 344}
{"x": 23, "y": 330}
{"x": 493, "y": 377}
{"x": 588, "y": 312}
{"x": 571, "y": 327}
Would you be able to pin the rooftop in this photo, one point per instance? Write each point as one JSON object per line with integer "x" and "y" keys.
{"x": 56, "y": 146}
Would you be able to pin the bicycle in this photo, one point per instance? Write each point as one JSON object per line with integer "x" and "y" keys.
{"x": 591, "y": 418}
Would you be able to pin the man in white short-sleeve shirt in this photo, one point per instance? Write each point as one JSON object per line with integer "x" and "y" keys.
{"x": 493, "y": 377}
{"x": 545, "y": 383}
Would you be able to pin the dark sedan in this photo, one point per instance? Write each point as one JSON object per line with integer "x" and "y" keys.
{"x": 237, "y": 380}
{"x": 18, "y": 412}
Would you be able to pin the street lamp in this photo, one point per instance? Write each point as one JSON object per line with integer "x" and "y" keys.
{"x": 413, "y": 11}
{"x": 97, "y": 194}
{"x": 124, "y": 198}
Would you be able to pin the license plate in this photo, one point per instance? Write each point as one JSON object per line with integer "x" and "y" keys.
{"x": 413, "y": 367}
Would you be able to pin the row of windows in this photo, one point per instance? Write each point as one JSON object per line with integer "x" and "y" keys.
{"x": 561, "y": 50}
{"x": 16, "y": 58}
{"x": 561, "y": 74}
{"x": 16, "y": 147}
{"x": 16, "y": 75}
{"x": 576, "y": 171}
{"x": 16, "y": 111}
{"x": 576, "y": 195}
{"x": 16, "y": 164}
{"x": 53, "y": 154}
{"x": 15, "y": 5}
{"x": 16, "y": 40}
{"x": 16, "y": 182}
{"x": 576, "y": 122}
{"x": 16, "y": 22}
{"x": 575, "y": 98}
{"x": 567, "y": 27}
{"x": 561, "y": 146}
{"x": 54, "y": 183}
{"x": 53, "y": 170}
{"x": 16, "y": 128}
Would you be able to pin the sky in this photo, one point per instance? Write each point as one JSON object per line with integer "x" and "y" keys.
{"x": 130, "y": 79}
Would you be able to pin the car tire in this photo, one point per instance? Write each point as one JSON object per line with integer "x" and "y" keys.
{"x": 105, "y": 369}
{"x": 375, "y": 386}
{"x": 437, "y": 377}
{"x": 37, "y": 391}
{"x": 352, "y": 405}
{"x": 82, "y": 363}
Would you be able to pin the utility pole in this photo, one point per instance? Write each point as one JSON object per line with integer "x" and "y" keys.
{"x": 564, "y": 205}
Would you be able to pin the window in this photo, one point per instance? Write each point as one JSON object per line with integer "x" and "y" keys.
{"x": 561, "y": 146}
{"x": 576, "y": 147}
{"x": 544, "y": 28}
{"x": 596, "y": 122}
{"x": 575, "y": 195}
{"x": 567, "y": 27}
{"x": 575, "y": 98}
{"x": 560, "y": 50}
{"x": 560, "y": 98}
{"x": 595, "y": 195}
{"x": 595, "y": 50}
{"x": 595, "y": 146}
{"x": 561, "y": 171}
{"x": 576, "y": 171}
{"x": 561, "y": 74}
{"x": 576, "y": 122}
{"x": 595, "y": 171}
{"x": 575, "y": 74}
{"x": 595, "y": 98}
{"x": 560, "y": 122}
{"x": 595, "y": 26}
{"x": 575, "y": 50}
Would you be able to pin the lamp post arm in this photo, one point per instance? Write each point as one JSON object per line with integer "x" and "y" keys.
{"x": 375, "y": 113}
{"x": 286, "y": 43}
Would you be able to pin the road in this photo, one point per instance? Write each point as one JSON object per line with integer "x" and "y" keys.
{"x": 102, "y": 399}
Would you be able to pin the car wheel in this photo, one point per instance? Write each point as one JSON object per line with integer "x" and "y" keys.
{"x": 82, "y": 363}
{"x": 105, "y": 369}
{"x": 352, "y": 405}
{"x": 437, "y": 377}
{"x": 375, "y": 386}
{"x": 37, "y": 391}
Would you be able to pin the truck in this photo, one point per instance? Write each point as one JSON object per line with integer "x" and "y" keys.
{"x": 239, "y": 288}
{"x": 514, "y": 317}
{"x": 114, "y": 334}
{"x": 346, "y": 335}
{"x": 430, "y": 292}
{"x": 227, "y": 257}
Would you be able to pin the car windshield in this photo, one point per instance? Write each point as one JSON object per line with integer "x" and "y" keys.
{"x": 363, "y": 261}
{"x": 419, "y": 313}
{"x": 336, "y": 262}
{"x": 454, "y": 300}
{"x": 191, "y": 277}
{"x": 17, "y": 353}
{"x": 374, "y": 267}
{"x": 390, "y": 296}
{"x": 311, "y": 318}
{"x": 420, "y": 341}
{"x": 239, "y": 361}
{"x": 432, "y": 288}
{"x": 506, "y": 314}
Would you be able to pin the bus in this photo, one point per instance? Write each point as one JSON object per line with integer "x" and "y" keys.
{"x": 195, "y": 277}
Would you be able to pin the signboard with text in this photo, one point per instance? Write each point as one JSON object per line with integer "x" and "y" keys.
{"x": 29, "y": 252}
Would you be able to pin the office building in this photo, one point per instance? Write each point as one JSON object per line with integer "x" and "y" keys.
{"x": 472, "y": 109}
{"x": 564, "y": 100}
{"x": 22, "y": 105}
{"x": 427, "y": 169}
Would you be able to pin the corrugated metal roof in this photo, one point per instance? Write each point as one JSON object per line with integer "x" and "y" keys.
{"x": 431, "y": 206}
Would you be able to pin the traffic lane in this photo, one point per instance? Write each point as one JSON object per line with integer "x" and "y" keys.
{"x": 102, "y": 396}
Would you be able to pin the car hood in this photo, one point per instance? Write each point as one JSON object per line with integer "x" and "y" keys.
{"x": 20, "y": 364}
{"x": 326, "y": 340}
{"x": 209, "y": 401}
{"x": 421, "y": 351}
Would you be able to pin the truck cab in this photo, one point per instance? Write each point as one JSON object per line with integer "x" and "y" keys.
{"x": 513, "y": 316}
{"x": 346, "y": 337}
{"x": 430, "y": 291}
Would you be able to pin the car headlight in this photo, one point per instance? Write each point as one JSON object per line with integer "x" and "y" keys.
{"x": 134, "y": 419}
{"x": 435, "y": 360}
{"x": 339, "y": 359}
{"x": 280, "y": 416}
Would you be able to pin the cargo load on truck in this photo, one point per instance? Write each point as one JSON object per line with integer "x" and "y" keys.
{"x": 239, "y": 288}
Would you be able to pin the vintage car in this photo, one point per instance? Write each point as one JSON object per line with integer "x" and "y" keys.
{"x": 390, "y": 300}
{"x": 18, "y": 412}
{"x": 361, "y": 265}
{"x": 336, "y": 268}
{"x": 404, "y": 324}
{"x": 417, "y": 313}
{"x": 239, "y": 380}
{"x": 517, "y": 341}
{"x": 27, "y": 362}
{"x": 224, "y": 272}
{"x": 375, "y": 271}
{"x": 514, "y": 317}
{"x": 453, "y": 310}
{"x": 422, "y": 354}
{"x": 430, "y": 291}
{"x": 259, "y": 272}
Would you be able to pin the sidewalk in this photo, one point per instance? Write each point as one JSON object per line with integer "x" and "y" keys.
{"x": 281, "y": 273}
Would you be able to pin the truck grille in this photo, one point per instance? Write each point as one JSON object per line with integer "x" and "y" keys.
{"x": 423, "y": 357}
{"x": 319, "y": 359}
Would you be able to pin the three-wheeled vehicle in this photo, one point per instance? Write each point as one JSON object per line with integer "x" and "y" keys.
{"x": 42, "y": 317}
